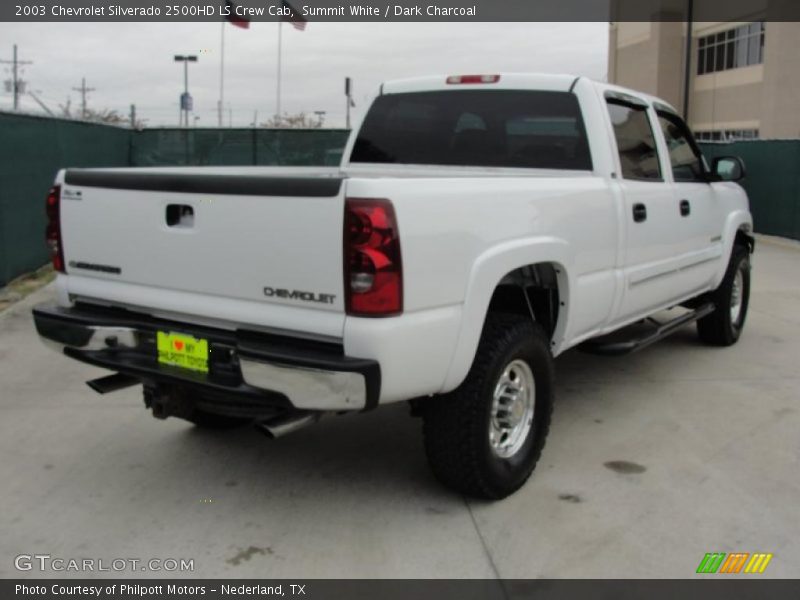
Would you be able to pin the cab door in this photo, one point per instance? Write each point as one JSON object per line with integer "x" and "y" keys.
{"x": 653, "y": 239}
{"x": 695, "y": 201}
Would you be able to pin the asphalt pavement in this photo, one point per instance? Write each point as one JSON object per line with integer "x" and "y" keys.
{"x": 653, "y": 460}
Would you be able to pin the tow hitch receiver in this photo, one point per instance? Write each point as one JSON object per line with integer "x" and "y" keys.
{"x": 168, "y": 401}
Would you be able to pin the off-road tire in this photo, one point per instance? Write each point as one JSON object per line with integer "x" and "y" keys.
{"x": 456, "y": 425}
{"x": 718, "y": 328}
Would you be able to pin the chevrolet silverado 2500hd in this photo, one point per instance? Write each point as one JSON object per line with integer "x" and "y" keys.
{"x": 479, "y": 226}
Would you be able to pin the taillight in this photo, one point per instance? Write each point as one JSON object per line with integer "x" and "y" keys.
{"x": 53, "y": 231}
{"x": 457, "y": 79}
{"x": 372, "y": 268}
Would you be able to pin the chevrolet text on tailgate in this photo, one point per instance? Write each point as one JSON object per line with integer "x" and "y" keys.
{"x": 479, "y": 226}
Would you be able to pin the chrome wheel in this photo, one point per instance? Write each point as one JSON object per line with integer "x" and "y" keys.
{"x": 737, "y": 291}
{"x": 512, "y": 409}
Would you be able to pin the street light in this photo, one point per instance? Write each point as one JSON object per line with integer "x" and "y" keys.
{"x": 186, "y": 99}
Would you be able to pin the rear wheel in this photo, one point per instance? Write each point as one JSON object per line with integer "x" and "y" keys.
{"x": 724, "y": 326}
{"x": 484, "y": 438}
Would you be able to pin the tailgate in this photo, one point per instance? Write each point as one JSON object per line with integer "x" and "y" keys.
{"x": 248, "y": 248}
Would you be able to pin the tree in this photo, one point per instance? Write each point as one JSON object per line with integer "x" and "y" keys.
{"x": 105, "y": 115}
{"x": 296, "y": 121}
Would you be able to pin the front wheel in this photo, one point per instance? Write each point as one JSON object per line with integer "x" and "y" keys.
{"x": 724, "y": 326}
{"x": 484, "y": 438}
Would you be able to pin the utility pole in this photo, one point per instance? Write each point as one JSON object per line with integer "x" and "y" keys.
{"x": 348, "y": 92}
{"x": 83, "y": 90}
{"x": 221, "y": 101}
{"x": 16, "y": 83}
{"x": 278, "y": 87}
{"x": 186, "y": 99}
{"x": 133, "y": 116}
{"x": 687, "y": 67}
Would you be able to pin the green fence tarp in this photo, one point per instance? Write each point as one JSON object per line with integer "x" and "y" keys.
{"x": 32, "y": 149}
{"x": 772, "y": 182}
{"x": 295, "y": 147}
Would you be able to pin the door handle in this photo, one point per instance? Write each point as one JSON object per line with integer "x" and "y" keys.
{"x": 686, "y": 208}
{"x": 639, "y": 212}
{"x": 180, "y": 215}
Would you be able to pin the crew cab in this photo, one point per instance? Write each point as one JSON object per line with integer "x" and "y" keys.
{"x": 478, "y": 227}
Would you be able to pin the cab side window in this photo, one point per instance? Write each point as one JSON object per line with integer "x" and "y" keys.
{"x": 684, "y": 155}
{"x": 636, "y": 143}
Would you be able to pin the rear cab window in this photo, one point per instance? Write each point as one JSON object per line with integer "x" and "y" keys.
{"x": 481, "y": 128}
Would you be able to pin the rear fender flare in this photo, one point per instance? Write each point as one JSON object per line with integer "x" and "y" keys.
{"x": 487, "y": 272}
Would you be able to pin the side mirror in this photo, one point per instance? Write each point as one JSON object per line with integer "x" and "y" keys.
{"x": 728, "y": 168}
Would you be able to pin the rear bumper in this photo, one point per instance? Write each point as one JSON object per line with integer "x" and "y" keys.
{"x": 273, "y": 369}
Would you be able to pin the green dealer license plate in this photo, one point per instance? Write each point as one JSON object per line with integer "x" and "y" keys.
{"x": 184, "y": 351}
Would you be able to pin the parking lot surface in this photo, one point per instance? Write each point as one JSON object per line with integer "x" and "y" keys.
{"x": 653, "y": 460}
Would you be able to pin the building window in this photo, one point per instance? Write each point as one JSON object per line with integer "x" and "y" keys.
{"x": 738, "y": 47}
{"x": 727, "y": 135}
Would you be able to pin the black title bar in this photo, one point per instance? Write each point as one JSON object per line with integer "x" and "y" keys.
{"x": 708, "y": 588}
{"x": 444, "y": 589}
{"x": 398, "y": 10}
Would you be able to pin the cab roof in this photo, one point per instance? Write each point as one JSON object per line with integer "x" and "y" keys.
{"x": 508, "y": 81}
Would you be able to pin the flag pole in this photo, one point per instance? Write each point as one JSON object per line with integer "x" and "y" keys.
{"x": 278, "y": 92}
{"x": 221, "y": 102}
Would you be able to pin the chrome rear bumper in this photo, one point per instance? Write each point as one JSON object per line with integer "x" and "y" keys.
{"x": 310, "y": 375}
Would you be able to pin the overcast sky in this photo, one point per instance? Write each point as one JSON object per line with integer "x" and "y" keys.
{"x": 131, "y": 63}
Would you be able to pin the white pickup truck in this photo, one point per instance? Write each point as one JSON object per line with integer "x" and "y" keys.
{"x": 478, "y": 227}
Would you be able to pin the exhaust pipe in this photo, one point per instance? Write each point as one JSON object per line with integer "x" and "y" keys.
{"x": 281, "y": 426}
{"x": 112, "y": 383}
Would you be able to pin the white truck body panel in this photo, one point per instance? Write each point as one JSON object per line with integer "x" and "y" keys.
{"x": 216, "y": 269}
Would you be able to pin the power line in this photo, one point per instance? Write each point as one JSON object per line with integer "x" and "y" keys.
{"x": 16, "y": 83}
{"x": 83, "y": 90}
{"x": 41, "y": 103}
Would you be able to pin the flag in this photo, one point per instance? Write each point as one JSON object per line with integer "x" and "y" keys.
{"x": 235, "y": 19}
{"x": 297, "y": 21}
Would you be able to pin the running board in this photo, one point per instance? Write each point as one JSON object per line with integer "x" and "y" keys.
{"x": 616, "y": 347}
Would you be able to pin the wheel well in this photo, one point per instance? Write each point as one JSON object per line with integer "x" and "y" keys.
{"x": 532, "y": 291}
{"x": 744, "y": 239}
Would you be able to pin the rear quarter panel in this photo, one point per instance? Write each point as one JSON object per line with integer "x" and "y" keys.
{"x": 459, "y": 236}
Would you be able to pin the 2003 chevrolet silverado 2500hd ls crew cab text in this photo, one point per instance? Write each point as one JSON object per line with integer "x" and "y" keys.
{"x": 478, "y": 227}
